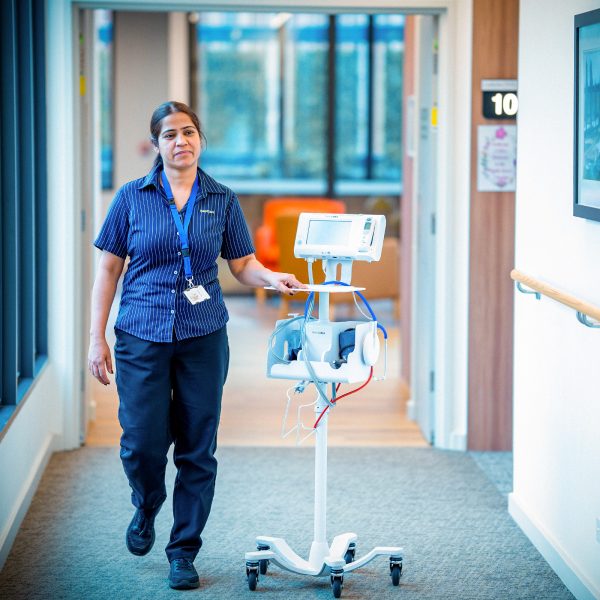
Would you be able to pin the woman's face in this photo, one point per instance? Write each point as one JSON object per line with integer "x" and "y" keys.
{"x": 179, "y": 142}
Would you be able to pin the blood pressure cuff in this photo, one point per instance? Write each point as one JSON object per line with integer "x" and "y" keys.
{"x": 294, "y": 345}
{"x": 346, "y": 342}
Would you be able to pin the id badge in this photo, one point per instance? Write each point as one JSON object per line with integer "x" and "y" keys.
{"x": 196, "y": 294}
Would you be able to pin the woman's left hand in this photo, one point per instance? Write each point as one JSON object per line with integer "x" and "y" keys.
{"x": 283, "y": 282}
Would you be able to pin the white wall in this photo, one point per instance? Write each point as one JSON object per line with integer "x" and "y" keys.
{"x": 556, "y": 496}
{"x": 24, "y": 454}
{"x": 141, "y": 76}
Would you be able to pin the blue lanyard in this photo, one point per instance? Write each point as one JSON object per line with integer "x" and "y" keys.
{"x": 182, "y": 228}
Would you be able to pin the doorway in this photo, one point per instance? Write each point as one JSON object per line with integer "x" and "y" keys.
{"x": 425, "y": 354}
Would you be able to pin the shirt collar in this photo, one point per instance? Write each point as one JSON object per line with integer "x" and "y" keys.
{"x": 207, "y": 184}
{"x": 151, "y": 178}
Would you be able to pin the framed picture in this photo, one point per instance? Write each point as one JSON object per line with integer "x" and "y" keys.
{"x": 586, "y": 197}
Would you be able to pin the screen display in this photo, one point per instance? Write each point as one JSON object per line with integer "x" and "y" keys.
{"x": 328, "y": 233}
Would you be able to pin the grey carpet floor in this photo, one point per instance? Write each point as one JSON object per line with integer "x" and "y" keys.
{"x": 498, "y": 468}
{"x": 459, "y": 541}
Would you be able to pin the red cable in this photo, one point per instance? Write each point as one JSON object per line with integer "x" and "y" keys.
{"x": 334, "y": 400}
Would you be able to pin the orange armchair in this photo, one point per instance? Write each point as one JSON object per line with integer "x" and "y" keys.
{"x": 265, "y": 238}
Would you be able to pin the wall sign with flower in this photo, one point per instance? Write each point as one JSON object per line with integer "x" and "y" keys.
{"x": 496, "y": 158}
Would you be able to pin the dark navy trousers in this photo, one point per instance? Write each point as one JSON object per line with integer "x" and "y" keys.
{"x": 171, "y": 393}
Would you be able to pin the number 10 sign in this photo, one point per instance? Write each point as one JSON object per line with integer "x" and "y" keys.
{"x": 500, "y": 98}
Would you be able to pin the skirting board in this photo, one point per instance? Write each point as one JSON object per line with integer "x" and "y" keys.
{"x": 458, "y": 441}
{"x": 555, "y": 556}
{"x": 8, "y": 535}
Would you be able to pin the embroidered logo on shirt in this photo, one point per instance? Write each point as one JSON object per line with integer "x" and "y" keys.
{"x": 207, "y": 210}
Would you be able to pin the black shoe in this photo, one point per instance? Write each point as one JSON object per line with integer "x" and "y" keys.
{"x": 140, "y": 533}
{"x": 183, "y": 575}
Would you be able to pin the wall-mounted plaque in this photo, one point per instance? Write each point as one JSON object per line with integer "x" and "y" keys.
{"x": 500, "y": 99}
{"x": 496, "y": 158}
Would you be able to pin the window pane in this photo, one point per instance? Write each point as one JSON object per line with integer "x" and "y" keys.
{"x": 388, "y": 62}
{"x": 23, "y": 196}
{"x": 305, "y": 96}
{"x": 41, "y": 206}
{"x": 238, "y": 96}
{"x": 9, "y": 193}
{"x": 26, "y": 203}
{"x": 262, "y": 94}
{"x": 352, "y": 87}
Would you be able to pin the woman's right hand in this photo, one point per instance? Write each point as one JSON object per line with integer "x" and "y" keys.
{"x": 100, "y": 360}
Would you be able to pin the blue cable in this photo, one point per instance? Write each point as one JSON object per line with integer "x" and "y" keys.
{"x": 312, "y": 294}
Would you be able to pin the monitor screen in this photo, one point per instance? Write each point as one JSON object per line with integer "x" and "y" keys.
{"x": 328, "y": 233}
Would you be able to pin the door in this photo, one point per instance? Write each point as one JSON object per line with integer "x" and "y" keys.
{"x": 424, "y": 225}
{"x": 87, "y": 182}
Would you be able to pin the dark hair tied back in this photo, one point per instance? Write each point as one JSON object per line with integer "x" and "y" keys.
{"x": 166, "y": 109}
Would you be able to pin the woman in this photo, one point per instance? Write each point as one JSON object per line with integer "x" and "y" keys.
{"x": 171, "y": 351}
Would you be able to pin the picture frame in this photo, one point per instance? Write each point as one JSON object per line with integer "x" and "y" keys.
{"x": 586, "y": 164}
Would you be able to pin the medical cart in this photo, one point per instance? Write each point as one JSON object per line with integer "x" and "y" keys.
{"x": 322, "y": 353}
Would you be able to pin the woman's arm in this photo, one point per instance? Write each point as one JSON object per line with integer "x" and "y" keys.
{"x": 249, "y": 271}
{"x": 103, "y": 294}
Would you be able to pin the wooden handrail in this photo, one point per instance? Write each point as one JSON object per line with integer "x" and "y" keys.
{"x": 543, "y": 288}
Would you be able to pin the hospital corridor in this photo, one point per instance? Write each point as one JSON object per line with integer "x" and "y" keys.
{"x": 300, "y": 299}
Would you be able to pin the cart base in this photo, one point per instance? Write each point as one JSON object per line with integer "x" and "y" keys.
{"x": 324, "y": 561}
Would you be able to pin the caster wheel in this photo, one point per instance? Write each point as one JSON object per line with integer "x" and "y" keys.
{"x": 252, "y": 580}
{"x": 336, "y": 586}
{"x": 263, "y": 563}
{"x": 396, "y": 571}
{"x": 350, "y": 553}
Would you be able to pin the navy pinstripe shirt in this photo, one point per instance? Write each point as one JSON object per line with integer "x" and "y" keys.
{"x": 139, "y": 224}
